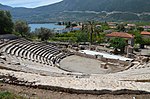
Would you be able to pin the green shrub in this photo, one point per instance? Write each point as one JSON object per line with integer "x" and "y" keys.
{"x": 8, "y": 95}
{"x": 146, "y": 41}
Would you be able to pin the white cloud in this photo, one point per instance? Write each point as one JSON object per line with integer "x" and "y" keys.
{"x": 28, "y": 3}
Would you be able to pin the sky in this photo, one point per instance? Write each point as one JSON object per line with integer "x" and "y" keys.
{"x": 28, "y": 3}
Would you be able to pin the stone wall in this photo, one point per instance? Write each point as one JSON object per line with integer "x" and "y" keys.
{"x": 100, "y": 58}
{"x": 14, "y": 81}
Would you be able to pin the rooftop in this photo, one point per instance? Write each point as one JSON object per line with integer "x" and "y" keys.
{"x": 120, "y": 34}
{"x": 145, "y": 33}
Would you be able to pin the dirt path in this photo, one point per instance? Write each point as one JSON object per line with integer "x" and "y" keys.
{"x": 46, "y": 94}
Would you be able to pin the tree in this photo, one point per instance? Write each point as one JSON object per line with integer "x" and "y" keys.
{"x": 140, "y": 29}
{"x": 121, "y": 28}
{"x": 43, "y": 33}
{"x": 82, "y": 37}
{"x": 88, "y": 28}
{"x": 94, "y": 31}
{"x": 22, "y": 28}
{"x": 146, "y": 41}
{"x": 138, "y": 38}
{"x": 6, "y": 24}
{"x": 91, "y": 26}
{"x": 118, "y": 43}
{"x": 68, "y": 24}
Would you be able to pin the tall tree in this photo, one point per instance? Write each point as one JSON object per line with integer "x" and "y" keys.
{"x": 91, "y": 26}
{"x": 6, "y": 24}
{"x": 22, "y": 28}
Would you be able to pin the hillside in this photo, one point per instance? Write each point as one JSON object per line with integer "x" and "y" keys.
{"x": 137, "y": 6}
{"x": 71, "y": 10}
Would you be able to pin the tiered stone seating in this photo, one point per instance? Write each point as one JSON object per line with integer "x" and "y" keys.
{"x": 138, "y": 65}
{"x": 2, "y": 45}
{"x": 35, "y": 52}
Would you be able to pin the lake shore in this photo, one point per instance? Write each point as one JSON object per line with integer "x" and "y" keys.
{"x": 51, "y": 26}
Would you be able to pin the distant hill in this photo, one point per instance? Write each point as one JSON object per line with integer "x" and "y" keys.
{"x": 4, "y": 7}
{"x": 72, "y": 10}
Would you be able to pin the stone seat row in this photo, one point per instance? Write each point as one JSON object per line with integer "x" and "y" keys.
{"x": 42, "y": 53}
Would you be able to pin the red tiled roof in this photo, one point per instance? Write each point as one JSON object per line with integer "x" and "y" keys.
{"x": 120, "y": 34}
{"x": 145, "y": 33}
{"x": 77, "y": 27}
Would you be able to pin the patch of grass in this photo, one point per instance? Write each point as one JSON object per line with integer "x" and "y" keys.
{"x": 8, "y": 95}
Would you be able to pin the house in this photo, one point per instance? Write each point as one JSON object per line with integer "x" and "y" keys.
{"x": 130, "y": 26}
{"x": 145, "y": 34}
{"x": 66, "y": 30}
{"x": 129, "y": 38}
{"x": 112, "y": 25}
{"x": 146, "y": 28}
{"x": 76, "y": 28}
{"x": 108, "y": 31}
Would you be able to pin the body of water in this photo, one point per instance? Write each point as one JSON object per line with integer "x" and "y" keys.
{"x": 46, "y": 25}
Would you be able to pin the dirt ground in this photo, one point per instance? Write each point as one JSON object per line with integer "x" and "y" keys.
{"x": 86, "y": 65}
{"x": 31, "y": 93}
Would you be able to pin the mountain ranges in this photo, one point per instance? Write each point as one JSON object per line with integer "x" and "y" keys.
{"x": 83, "y": 10}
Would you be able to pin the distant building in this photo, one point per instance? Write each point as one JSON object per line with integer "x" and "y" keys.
{"x": 112, "y": 25}
{"x": 98, "y": 26}
{"x": 129, "y": 38}
{"x": 130, "y": 26}
{"x": 145, "y": 34}
{"x": 76, "y": 28}
{"x": 108, "y": 31}
{"x": 146, "y": 28}
{"x": 66, "y": 30}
